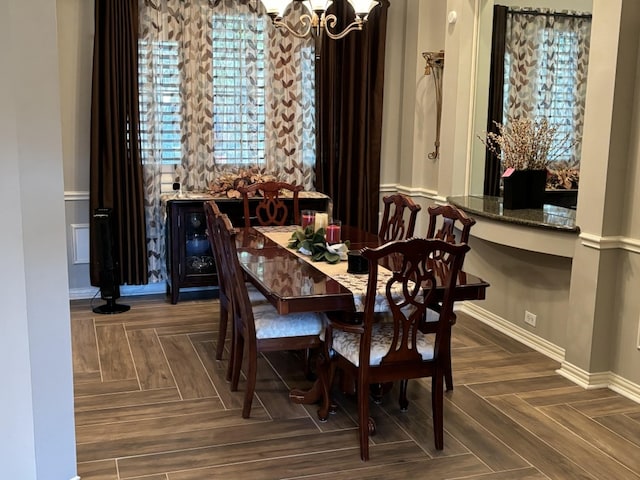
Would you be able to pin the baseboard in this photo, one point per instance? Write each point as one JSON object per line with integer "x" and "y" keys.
{"x": 520, "y": 334}
{"x": 624, "y": 387}
{"x": 575, "y": 374}
{"x": 125, "y": 291}
{"x": 77, "y": 477}
{"x": 588, "y": 381}
{"x": 83, "y": 293}
{"x": 591, "y": 381}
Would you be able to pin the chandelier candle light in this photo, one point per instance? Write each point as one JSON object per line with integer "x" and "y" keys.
{"x": 317, "y": 17}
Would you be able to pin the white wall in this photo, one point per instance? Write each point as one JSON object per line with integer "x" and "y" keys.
{"x": 36, "y": 405}
{"x": 409, "y": 112}
{"x": 75, "y": 44}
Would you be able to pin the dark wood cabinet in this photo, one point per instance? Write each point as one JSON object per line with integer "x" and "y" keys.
{"x": 188, "y": 252}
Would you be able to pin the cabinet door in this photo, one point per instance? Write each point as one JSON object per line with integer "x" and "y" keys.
{"x": 197, "y": 265}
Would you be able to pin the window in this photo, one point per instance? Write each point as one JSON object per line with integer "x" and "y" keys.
{"x": 554, "y": 86}
{"x": 159, "y": 88}
{"x": 238, "y": 107}
{"x": 557, "y": 79}
{"x": 238, "y": 111}
{"x": 543, "y": 58}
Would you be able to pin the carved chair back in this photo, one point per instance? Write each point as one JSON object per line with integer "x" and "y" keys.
{"x": 397, "y": 349}
{"x": 442, "y": 224}
{"x": 212, "y": 212}
{"x": 393, "y": 225}
{"x": 272, "y": 209}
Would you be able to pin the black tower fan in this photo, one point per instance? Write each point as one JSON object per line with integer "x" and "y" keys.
{"x": 109, "y": 281}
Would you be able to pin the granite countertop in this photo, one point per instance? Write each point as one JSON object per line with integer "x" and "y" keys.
{"x": 549, "y": 217}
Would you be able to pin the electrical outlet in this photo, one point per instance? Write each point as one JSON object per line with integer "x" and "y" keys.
{"x": 529, "y": 318}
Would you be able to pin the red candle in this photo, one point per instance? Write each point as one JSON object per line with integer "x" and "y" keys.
{"x": 307, "y": 220}
{"x": 333, "y": 233}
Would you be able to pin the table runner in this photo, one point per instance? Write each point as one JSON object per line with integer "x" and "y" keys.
{"x": 356, "y": 283}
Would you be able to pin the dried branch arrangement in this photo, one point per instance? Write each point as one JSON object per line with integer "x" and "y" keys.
{"x": 526, "y": 144}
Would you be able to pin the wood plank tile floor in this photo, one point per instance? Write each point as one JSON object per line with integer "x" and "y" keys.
{"x": 152, "y": 403}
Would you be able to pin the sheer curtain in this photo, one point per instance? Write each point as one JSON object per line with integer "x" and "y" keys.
{"x": 221, "y": 89}
{"x": 290, "y": 140}
{"x": 546, "y": 61}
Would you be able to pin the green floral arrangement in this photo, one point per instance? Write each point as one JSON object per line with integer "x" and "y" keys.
{"x": 312, "y": 242}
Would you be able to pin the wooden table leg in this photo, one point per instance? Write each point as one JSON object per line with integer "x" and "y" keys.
{"x": 319, "y": 392}
{"x": 307, "y": 397}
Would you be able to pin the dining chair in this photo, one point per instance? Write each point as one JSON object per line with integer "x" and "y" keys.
{"x": 396, "y": 349}
{"x": 259, "y": 327}
{"x": 271, "y": 209}
{"x": 212, "y": 211}
{"x": 448, "y": 223}
{"x": 446, "y": 220}
{"x": 393, "y": 225}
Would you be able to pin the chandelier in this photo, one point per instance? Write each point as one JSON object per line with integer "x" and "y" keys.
{"x": 316, "y": 17}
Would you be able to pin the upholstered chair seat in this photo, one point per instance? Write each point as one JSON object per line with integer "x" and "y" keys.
{"x": 270, "y": 324}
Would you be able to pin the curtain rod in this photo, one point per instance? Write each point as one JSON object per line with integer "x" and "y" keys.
{"x": 551, "y": 14}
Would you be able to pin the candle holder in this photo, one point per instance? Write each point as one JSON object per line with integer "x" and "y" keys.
{"x": 308, "y": 218}
{"x": 321, "y": 220}
{"x": 333, "y": 232}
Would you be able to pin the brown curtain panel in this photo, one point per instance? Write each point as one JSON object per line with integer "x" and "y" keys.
{"x": 496, "y": 97}
{"x": 349, "y": 86}
{"x": 116, "y": 169}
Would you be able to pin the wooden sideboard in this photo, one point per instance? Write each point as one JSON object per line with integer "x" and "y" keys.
{"x": 188, "y": 252}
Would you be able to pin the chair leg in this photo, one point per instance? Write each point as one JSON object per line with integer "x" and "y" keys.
{"x": 232, "y": 355}
{"x": 437, "y": 405}
{"x": 222, "y": 331}
{"x": 377, "y": 392}
{"x": 325, "y": 368}
{"x": 404, "y": 403}
{"x": 448, "y": 377}
{"x": 235, "y": 363}
{"x": 252, "y": 371}
{"x": 363, "y": 420}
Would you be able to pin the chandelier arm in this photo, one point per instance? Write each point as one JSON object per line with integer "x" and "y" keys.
{"x": 330, "y": 21}
{"x": 305, "y": 20}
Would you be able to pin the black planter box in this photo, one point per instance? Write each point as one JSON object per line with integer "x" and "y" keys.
{"x": 562, "y": 198}
{"x": 524, "y": 189}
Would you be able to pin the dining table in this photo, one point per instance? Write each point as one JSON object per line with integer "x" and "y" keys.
{"x": 293, "y": 283}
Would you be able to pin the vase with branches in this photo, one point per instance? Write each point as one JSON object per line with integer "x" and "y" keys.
{"x": 531, "y": 146}
{"x": 527, "y": 144}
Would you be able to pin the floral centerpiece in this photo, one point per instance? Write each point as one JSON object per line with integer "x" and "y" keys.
{"x": 309, "y": 241}
{"x": 228, "y": 180}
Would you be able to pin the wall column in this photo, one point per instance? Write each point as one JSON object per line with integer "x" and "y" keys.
{"x": 36, "y": 404}
{"x": 593, "y": 314}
